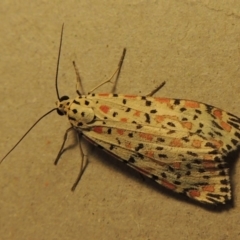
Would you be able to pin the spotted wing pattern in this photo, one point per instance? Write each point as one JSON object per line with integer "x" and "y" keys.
{"x": 181, "y": 144}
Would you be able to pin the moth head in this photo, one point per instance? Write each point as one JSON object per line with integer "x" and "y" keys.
{"x": 63, "y": 105}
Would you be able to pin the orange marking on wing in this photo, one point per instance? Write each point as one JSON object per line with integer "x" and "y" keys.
{"x": 216, "y": 143}
{"x": 209, "y": 164}
{"x": 168, "y": 185}
{"x": 177, "y": 165}
{"x": 123, "y": 119}
{"x": 192, "y": 104}
{"x": 137, "y": 113}
{"x": 226, "y": 126}
{"x": 187, "y": 125}
{"x": 103, "y": 94}
{"x": 104, "y": 108}
{"x": 149, "y": 154}
{"x": 176, "y": 142}
{"x": 128, "y": 145}
{"x": 98, "y": 129}
{"x": 209, "y": 188}
{"x": 196, "y": 143}
{"x": 120, "y": 131}
{"x": 194, "y": 193}
{"x": 163, "y": 100}
{"x": 208, "y": 157}
{"x": 159, "y": 118}
{"x": 146, "y": 136}
{"x": 217, "y": 113}
{"x": 130, "y": 96}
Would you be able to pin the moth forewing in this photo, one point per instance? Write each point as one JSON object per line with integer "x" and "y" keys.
{"x": 181, "y": 144}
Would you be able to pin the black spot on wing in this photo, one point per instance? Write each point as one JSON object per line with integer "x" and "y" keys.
{"x": 177, "y": 182}
{"x": 154, "y": 177}
{"x": 153, "y": 111}
{"x": 237, "y": 120}
{"x": 224, "y": 182}
{"x": 171, "y": 124}
{"x": 218, "y": 133}
{"x": 147, "y": 118}
{"x": 195, "y": 117}
{"x": 237, "y": 134}
{"x": 130, "y": 135}
{"x": 76, "y": 102}
{"x": 209, "y": 109}
{"x": 160, "y": 139}
{"x": 234, "y": 142}
{"x": 216, "y": 125}
{"x": 131, "y": 159}
{"x": 192, "y": 154}
{"x": 111, "y": 147}
{"x": 140, "y": 146}
{"x": 233, "y": 124}
{"x": 198, "y": 111}
{"x": 171, "y": 131}
{"x": 228, "y": 147}
{"x": 162, "y": 156}
{"x": 183, "y": 109}
{"x": 209, "y": 144}
{"x": 176, "y": 102}
{"x": 115, "y": 114}
{"x": 139, "y": 126}
{"x": 185, "y": 139}
{"x": 163, "y": 174}
{"x": 148, "y": 103}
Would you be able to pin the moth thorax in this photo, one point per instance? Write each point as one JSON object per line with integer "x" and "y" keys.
{"x": 82, "y": 115}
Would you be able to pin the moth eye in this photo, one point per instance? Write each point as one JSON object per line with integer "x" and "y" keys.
{"x": 60, "y": 112}
{"x": 63, "y": 98}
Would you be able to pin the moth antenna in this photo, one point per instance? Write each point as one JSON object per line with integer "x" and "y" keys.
{"x": 27, "y": 133}
{"x": 58, "y": 61}
{"x": 56, "y": 85}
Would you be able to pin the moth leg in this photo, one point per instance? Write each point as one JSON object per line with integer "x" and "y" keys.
{"x": 79, "y": 86}
{"x": 117, "y": 73}
{"x": 62, "y": 147}
{"x": 156, "y": 89}
{"x": 119, "y": 70}
{"x": 83, "y": 165}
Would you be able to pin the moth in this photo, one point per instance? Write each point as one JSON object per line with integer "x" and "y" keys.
{"x": 181, "y": 144}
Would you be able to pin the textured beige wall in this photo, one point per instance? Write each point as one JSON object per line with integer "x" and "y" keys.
{"x": 191, "y": 44}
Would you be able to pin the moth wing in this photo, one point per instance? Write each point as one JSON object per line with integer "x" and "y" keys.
{"x": 180, "y": 144}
